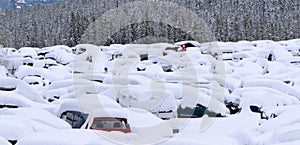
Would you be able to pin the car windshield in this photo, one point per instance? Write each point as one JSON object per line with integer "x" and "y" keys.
{"x": 108, "y": 123}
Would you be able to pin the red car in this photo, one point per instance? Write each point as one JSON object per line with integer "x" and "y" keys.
{"x": 111, "y": 124}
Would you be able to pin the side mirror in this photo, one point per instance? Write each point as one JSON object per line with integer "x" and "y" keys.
{"x": 255, "y": 109}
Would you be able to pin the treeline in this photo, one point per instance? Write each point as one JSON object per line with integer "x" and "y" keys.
{"x": 230, "y": 20}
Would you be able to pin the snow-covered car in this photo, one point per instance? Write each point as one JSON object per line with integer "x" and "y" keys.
{"x": 233, "y": 103}
{"x": 128, "y": 80}
{"x": 12, "y": 63}
{"x": 293, "y": 61}
{"x": 9, "y": 51}
{"x": 44, "y": 63}
{"x": 270, "y": 83}
{"x": 28, "y": 52}
{"x": 60, "y": 53}
{"x": 3, "y": 71}
{"x": 36, "y": 82}
{"x": 70, "y": 112}
{"x": 72, "y": 88}
{"x": 14, "y": 100}
{"x": 198, "y": 111}
{"x": 111, "y": 124}
{"x": 76, "y": 113}
{"x": 3, "y": 141}
{"x": 230, "y": 106}
{"x": 96, "y": 77}
{"x": 264, "y": 97}
{"x": 140, "y": 120}
{"x": 278, "y": 53}
{"x": 108, "y": 120}
{"x": 183, "y": 45}
{"x": 75, "y": 118}
{"x": 279, "y": 125}
{"x": 160, "y": 102}
{"x": 200, "y": 99}
{"x": 18, "y": 123}
{"x": 47, "y": 74}
{"x": 19, "y": 87}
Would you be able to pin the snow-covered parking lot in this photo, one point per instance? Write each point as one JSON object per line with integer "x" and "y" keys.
{"x": 148, "y": 94}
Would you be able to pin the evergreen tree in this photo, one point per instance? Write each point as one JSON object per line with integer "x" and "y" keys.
{"x": 230, "y": 20}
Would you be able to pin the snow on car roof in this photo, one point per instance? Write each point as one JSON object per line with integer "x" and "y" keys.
{"x": 265, "y": 97}
{"x": 30, "y": 51}
{"x": 90, "y": 102}
{"x": 15, "y": 100}
{"x": 271, "y": 83}
{"x": 195, "y": 43}
{"x": 105, "y": 112}
{"x": 6, "y": 82}
{"x": 76, "y": 80}
{"x": 20, "y": 87}
{"x": 154, "y": 99}
{"x": 23, "y": 71}
{"x": 127, "y": 80}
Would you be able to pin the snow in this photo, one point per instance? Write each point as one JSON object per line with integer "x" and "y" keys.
{"x": 15, "y": 124}
{"x": 103, "y": 81}
{"x": 38, "y": 115}
{"x": 67, "y": 105}
{"x": 108, "y": 113}
{"x": 195, "y": 43}
{"x": 3, "y": 141}
{"x": 3, "y": 71}
{"x": 65, "y": 137}
{"x": 265, "y": 97}
{"x": 23, "y": 71}
{"x": 153, "y": 100}
{"x": 60, "y": 53}
{"x": 28, "y": 51}
{"x": 8, "y": 98}
{"x": 271, "y": 83}
{"x": 14, "y": 127}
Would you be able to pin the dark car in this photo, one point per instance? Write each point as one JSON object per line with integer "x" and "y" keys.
{"x": 74, "y": 118}
{"x": 195, "y": 112}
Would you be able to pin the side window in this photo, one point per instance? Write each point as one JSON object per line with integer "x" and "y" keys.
{"x": 123, "y": 125}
